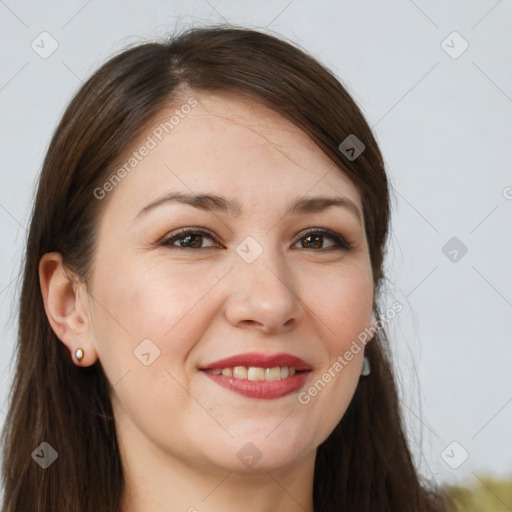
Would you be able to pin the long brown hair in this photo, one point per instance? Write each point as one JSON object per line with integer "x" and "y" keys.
{"x": 365, "y": 464}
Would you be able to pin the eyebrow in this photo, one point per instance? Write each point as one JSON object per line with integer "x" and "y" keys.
{"x": 220, "y": 204}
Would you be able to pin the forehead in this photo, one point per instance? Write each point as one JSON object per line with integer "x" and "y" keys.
{"x": 231, "y": 145}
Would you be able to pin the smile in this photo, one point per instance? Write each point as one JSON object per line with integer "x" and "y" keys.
{"x": 259, "y": 375}
{"x": 248, "y": 381}
{"x": 255, "y": 373}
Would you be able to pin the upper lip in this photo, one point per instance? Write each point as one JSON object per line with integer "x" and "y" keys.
{"x": 258, "y": 360}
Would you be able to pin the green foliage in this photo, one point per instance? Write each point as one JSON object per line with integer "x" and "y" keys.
{"x": 485, "y": 495}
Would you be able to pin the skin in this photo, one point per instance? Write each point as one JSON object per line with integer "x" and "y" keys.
{"x": 179, "y": 433}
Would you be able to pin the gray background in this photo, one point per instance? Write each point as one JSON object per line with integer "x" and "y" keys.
{"x": 444, "y": 126}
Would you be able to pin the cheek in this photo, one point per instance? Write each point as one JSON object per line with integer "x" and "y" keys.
{"x": 150, "y": 311}
{"x": 342, "y": 306}
{"x": 341, "y": 311}
{"x": 170, "y": 307}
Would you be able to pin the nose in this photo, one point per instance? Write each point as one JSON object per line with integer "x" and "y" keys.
{"x": 263, "y": 296}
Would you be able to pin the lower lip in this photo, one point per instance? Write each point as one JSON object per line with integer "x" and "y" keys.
{"x": 265, "y": 389}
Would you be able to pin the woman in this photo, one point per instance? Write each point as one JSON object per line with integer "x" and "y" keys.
{"x": 200, "y": 326}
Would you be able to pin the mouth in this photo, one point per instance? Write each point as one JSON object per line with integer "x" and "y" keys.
{"x": 259, "y": 375}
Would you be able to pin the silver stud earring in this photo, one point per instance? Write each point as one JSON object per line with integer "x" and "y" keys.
{"x": 365, "y": 370}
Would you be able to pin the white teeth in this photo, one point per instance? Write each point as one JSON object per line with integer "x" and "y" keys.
{"x": 273, "y": 373}
{"x": 240, "y": 372}
{"x": 256, "y": 373}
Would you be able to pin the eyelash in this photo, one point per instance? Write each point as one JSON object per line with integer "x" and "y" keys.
{"x": 341, "y": 243}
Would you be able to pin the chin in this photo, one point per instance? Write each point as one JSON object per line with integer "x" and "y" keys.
{"x": 256, "y": 452}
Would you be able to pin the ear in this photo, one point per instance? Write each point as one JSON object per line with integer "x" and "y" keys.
{"x": 65, "y": 304}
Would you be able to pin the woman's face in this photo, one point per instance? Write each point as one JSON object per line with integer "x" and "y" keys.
{"x": 247, "y": 279}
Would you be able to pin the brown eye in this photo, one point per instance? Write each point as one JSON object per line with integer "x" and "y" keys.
{"x": 188, "y": 239}
{"x": 314, "y": 240}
